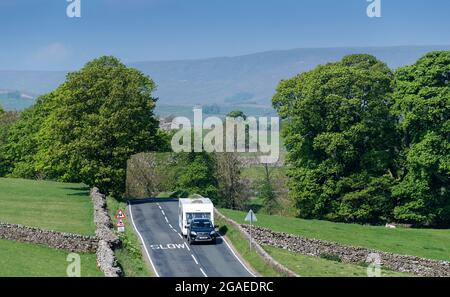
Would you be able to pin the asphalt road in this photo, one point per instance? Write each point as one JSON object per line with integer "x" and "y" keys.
{"x": 156, "y": 221}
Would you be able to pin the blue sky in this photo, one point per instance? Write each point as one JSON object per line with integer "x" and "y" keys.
{"x": 37, "y": 34}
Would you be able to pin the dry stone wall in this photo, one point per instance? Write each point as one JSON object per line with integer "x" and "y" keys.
{"x": 348, "y": 254}
{"x": 108, "y": 240}
{"x": 58, "y": 240}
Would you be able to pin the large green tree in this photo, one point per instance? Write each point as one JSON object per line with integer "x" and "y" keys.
{"x": 87, "y": 128}
{"x": 339, "y": 137}
{"x": 197, "y": 175}
{"x": 7, "y": 119}
{"x": 422, "y": 104}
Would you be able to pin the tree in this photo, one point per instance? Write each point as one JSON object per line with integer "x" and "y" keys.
{"x": 267, "y": 192}
{"x": 339, "y": 136}
{"x": 7, "y": 119}
{"x": 422, "y": 104}
{"x": 87, "y": 128}
{"x": 232, "y": 190}
{"x": 197, "y": 175}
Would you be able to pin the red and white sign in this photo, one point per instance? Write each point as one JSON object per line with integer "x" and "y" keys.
{"x": 120, "y": 226}
{"x": 121, "y": 215}
{"x": 120, "y": 223}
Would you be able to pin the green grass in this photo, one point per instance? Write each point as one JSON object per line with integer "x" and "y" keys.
{"x": 242, "y": 246}
{"x": 130, "y": 256}
{"x": 48, "y": 205}
{"x": 308, "y": 266}
{"x": 427, "y": 243}
{"x": 24, "y": 259}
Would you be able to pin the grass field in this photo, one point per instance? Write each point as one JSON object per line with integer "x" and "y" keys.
{"x": 47, "y": 205}
{"x": 23, "y": 259}
{"x": 427, "y": 243}
{"x": 308, "y": 266}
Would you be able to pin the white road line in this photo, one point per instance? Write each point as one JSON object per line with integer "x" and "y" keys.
{"x": 166, "y": 219}
{"x": 180, "y": 235}
{"x": 203, "y": 272}
{"x": 188, "y": 248}
{"x": 174, "y": 230}
{"x": 236, "y": 256}
{"x": 170, "y": 226}
{"x": 195, "y": 260}
{"x": 164, "y": 214}
{"x": 142, "y": 240}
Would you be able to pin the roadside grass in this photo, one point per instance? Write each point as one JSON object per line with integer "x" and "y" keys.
{"x": 309, "y": 266}
{"x": 23, "y": 259}
{"x": 242, "y": 247}
{"x": 48, "y": 205}
{"x": 426, "y": 243}
{"x": 130, "y": 256}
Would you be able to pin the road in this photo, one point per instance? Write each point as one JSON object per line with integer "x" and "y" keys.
{"x": 156, "y": 222}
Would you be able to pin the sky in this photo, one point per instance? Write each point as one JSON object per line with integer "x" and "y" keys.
{"x": 38, "y": 34}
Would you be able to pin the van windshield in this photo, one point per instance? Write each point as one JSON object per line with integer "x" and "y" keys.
{"x": 201, "y": 224}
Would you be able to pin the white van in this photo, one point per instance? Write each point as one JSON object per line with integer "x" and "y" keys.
{"x": 194, "y": 208}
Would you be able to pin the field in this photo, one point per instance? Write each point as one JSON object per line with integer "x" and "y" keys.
{"x": 47, "y": 205}
{"x": 23, "y": 259}
{"x": 308, "y": 266}
{"x": 427, "y": 243}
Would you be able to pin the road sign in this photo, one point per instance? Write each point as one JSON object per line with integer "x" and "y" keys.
{"x": 251, "y": 217}
{"x": 121, "y": 215}
{"x": 120, "y": 226}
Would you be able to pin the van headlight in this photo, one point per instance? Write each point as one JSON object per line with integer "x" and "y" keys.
{"x": 212, "y": 233}
{"x": 193, "y": 233}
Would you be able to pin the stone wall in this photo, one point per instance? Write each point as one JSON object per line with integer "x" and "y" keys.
{"x": 264, "y": 255}
{"x": 58, "y": 240}
{"x": 348, "y": 254}
{"x": 107, "y": 239}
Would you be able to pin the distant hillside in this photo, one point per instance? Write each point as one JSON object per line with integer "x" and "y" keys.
{"x": 15, "y": 100}
{"x": 249, "y": 79}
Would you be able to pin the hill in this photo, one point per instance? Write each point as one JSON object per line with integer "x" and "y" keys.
{"x": 242, "y": 80}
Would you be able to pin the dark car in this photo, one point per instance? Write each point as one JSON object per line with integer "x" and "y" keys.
{"x": 201, "y": 230}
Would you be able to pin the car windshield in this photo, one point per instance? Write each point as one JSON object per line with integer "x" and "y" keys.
{"x": 201, "y": 224}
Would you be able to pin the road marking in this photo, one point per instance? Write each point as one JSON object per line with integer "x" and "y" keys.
{"x": 164, "y": 214}
{"x": 169, "y": 246}
{"x": 166, "y": 219}
{"x": 170, "y": 226}
{"x": 179, "y": 235}
{"x": 203, "y": 272}
{"x": 187, "y": 246}
{"x": 142, "y": 240}
{"x": 236, "y": 256}
{"x": 195, "y": 260}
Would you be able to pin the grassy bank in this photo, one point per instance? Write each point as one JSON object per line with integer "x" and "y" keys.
{"x": 130, "y": 256}
{"x": 47, "y": 205}
{"x": 308, "y": 266}
{"x": 242, "y": 247}
{"x": 427, "y": 243}
{"x": 24, "y": 259}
